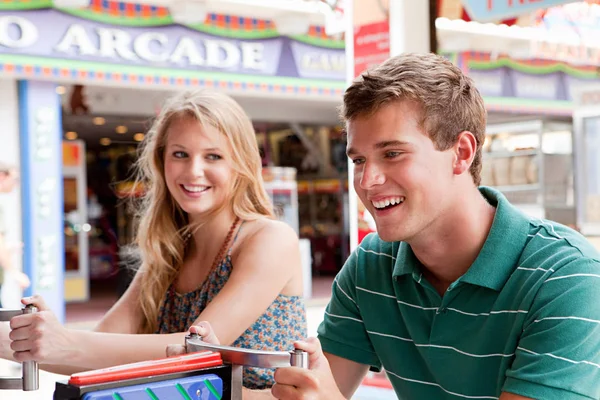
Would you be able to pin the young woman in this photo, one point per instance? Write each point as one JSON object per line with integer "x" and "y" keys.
{"x": 210, "y": 251}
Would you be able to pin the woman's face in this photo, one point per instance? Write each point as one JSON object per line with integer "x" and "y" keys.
{"x": 198, "y": 167}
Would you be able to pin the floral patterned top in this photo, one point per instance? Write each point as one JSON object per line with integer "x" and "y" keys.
{"x": 277, "y": 329}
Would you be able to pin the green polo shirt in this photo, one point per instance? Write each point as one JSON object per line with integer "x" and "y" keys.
{"x": 525, "y": 317}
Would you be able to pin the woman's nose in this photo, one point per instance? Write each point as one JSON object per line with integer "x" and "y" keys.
{"x": 197, "y": 166}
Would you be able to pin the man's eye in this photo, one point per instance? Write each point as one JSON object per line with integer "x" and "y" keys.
{"x": 392, "y": 154}
{"x": 358, "y": 161}
{"x": 179, "y": 154}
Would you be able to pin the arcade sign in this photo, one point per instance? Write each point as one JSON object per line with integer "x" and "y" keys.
{"x": 50, "y": 33}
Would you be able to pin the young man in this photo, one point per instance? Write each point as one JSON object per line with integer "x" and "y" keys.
{"x": 459, "y": 295}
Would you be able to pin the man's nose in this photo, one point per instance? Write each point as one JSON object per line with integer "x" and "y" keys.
{"x": 371, "y": 176}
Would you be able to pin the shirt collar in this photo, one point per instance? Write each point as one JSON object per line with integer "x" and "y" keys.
{"x": 500, "y": 252}
{"x": 406, "y": 261}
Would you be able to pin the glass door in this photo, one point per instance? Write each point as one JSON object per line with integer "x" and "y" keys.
{"x": 587, "y": 164}
{"x": 76, "y": 226}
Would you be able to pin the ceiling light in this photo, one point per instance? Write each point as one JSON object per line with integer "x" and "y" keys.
{"x": 60, "y": 90}
{"x": 105, "y": 141}
{"x": 71, "y": 135}
{"x": 121, "y": 129}
{"x": 98, "y": 121}
{"x": 138, "y": 137}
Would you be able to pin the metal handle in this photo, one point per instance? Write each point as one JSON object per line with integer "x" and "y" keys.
{"x": 31, "y": 374}
{"x": 249, "y": 357}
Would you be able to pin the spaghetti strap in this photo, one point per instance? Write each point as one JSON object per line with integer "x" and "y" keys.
{"x": 235, "y": 238}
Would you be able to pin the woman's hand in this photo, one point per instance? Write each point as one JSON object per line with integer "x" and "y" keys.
{"x": 40, "y": 336}
{"x": 203, "y": 329}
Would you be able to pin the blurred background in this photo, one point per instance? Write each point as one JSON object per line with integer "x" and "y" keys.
{"x": 82, "y": 81}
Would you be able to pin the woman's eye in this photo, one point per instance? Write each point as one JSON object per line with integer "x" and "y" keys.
{"x": 214, "y": 157}
{"x": 179, "y": 154}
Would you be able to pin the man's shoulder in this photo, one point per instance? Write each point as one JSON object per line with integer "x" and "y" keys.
{"x": 552, "y": 238}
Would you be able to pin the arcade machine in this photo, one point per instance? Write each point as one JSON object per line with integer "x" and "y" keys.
{"x": 206, "y": 372}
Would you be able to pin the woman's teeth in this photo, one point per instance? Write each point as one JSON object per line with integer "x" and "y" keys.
{"x": 387, "y": 202}
{"x": 195, "y": 189}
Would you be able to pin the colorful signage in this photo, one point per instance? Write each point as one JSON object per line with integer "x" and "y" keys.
{"x": 507, "y": 78}
{"x": 371, "y": 45}
{"x": 492, "y": 10}
{"x": 42, "y": 192}
{"x": 50, "y": 33}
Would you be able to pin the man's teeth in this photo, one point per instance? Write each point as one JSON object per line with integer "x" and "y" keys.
{"x": 390, "y": 201}
{"x": 195, "y": 189}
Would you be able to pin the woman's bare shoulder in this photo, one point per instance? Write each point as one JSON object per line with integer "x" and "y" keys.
{"x": 264, "y": 230}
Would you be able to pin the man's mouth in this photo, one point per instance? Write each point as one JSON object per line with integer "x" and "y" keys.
{"x": 388, "y": 203}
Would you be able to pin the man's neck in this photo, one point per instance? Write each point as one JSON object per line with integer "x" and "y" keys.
{"x": 449, "y": 248}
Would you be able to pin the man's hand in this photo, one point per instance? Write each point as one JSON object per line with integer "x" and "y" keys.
{"x": 203, "y": 329}
{"x": 315, "y": 383}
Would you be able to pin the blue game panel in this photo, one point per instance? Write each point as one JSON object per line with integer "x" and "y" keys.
{"x": 200, "y": 387}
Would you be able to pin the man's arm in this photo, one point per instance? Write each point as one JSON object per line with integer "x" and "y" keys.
{"x": 348, "y": 374}
{"x": 512, "y": 396}
{"x": 322, "y": 381}
{"x": 557, "y": 354}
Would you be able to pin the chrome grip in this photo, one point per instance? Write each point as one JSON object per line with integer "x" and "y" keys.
{"x": 249, "y": 357}
{"x": 30, "y": 379}
{"x": 299, "y": 358}
{"x": 31, "y": 372}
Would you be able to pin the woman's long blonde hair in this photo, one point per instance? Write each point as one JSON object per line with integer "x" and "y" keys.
{"x": 162, "y": 223}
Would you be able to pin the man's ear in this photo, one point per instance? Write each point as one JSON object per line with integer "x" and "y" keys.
{"x": 464, "y": 152}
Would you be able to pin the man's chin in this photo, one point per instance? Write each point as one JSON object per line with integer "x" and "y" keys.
{"x": 387, "y": 235}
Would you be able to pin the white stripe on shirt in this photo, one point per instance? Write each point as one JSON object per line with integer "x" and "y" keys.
{"x": 377, "y": 254}
{"x": 343, "y": 317}
{"x": 441, "y": 387}
{"x": 442, "y": 347}
{"x": 342, "y": 290}
{"x": 558, "y": 357}
{"x": 570, "y": 276}
{"x": 562, "y": 318}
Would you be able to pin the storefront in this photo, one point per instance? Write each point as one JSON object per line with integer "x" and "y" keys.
{"x": 587, "y": 164}
{"x": 529, "y": 75}
{"x": 529, "y": 145}
{"x": 72, "y": 66}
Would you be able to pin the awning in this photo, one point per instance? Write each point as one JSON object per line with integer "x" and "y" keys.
{"x": 570, "y": 33}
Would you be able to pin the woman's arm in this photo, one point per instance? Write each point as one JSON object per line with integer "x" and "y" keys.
{"x": 61, "y": 350}
{"x": 265, "y": 263}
